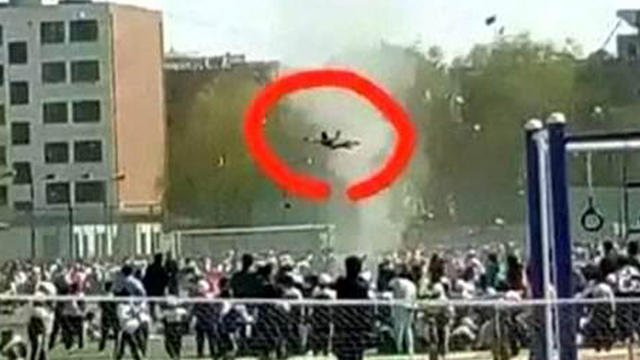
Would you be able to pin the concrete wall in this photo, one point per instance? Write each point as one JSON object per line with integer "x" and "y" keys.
{"x": 139, "y": 104}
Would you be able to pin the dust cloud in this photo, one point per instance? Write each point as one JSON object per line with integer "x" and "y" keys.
{"x": 366, "y": 226}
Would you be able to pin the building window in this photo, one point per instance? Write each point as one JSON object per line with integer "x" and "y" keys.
{"x": 3, "y": 155}
{"x": 54, "y": 72}
{"x": 23, "y": 205}
{"x": 52, "y": 32}
{"x": 3, "y": 118}
{"x": 87, "y": 151}
{"x": 632, "y": 51}
{"x": 57, "y": 193}
{"x": 55, "y": 113}
{"x": 56, "y": 153}
{"x": 85, "y": 71}
{"x": 83, "y": 30}
{"x": 19, "y": 93}
{"x": 22, "y": 173}
{"x": 4, "y": 194}
{"x": 90, "y": 192}
{"x": 86, "y": 111}
{"x": 20, "y": 133}
{"x": 18, "y": 53}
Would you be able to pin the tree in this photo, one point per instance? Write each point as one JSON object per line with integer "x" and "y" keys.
{"x": 213, "y": 180}
{"x": 496, "y": 89}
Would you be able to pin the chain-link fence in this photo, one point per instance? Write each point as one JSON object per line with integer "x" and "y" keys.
{"x": 187, "y": 327}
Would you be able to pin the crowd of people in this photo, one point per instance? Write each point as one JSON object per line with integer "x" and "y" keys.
{"x": 230, "y": 327}
{"x": 277, "y": 304}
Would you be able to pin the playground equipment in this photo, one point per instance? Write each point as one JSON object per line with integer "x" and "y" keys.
{"x": 549, "y": 239}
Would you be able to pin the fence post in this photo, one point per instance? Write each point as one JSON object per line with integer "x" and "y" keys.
{"x": 496, "y": 346}
{"x": 535, "y": 265}
{"x": 561, "y": 235}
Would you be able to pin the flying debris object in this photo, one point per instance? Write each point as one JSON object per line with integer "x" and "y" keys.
{"x": 597, "y": 110}
{"x": 427, "y": 95}
{"x": 333, "y": 143}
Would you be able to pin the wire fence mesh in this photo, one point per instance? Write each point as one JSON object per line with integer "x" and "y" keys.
{"x": 90, "y": 327}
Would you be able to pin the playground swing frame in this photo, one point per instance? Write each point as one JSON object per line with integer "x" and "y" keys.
{"x": 548, "y": 235}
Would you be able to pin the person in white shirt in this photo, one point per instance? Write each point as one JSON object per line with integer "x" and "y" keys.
{"x": 321, "y": 316}
{"x": 294, "y": 332}
{"x": 599, "y": 326}
{"x": 402, "y": 314}
{"x": 130, "y": 318}
{"x": 40, "y": 324}
{"x": 175, "y": 319}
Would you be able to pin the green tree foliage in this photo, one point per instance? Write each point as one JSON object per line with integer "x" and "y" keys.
{"x": 469, "y": 114}
{"x": 213, "y": 181}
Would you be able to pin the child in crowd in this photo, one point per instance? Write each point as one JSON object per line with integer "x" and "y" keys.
{"x": 73, "y": 318}
{"x": 108, "y": 317}
{"x": 175, "y": 320}
{"x": 130, "y": 324}
{"x": 40, "y": 323}
{"x": 206, "y": 316}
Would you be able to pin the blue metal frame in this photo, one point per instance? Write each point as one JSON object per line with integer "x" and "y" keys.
{"x": 562, "y": 239}
{"x": 535, "y": 266}
{"x": 561, "y": 267}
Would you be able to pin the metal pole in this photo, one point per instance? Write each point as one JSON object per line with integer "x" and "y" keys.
{"x": 107, "y": 224}
{"x": 546, "y": 236}
{"x": 71, "y": 242}
{"x": 625, "y": 200}
{"x": 535, "y": 258}
{"x": 32, "y": 220}
{"x": 562, "y": 240}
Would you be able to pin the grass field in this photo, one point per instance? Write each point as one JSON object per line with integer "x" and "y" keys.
{"x": 156, "y": 351}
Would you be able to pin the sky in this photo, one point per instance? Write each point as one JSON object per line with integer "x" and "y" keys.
{"x": 308, "y": 32}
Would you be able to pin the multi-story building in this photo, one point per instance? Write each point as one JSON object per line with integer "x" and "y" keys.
{"x": 82, "y": 134}
{"x": 629, "y": 44}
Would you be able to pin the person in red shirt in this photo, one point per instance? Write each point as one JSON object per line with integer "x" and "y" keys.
{"x": 212, "y": 275}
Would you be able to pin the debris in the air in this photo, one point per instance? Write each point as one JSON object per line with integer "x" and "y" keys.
{"x": 477, "y": 127}
{"x": 490, "y": 20}
{"x": 597, "y": 110}
{"x": 221, "y": 161}
{"x": 427, "y": 95}
{"x": 332, "y": 142}
{"x": 499, "y": 221}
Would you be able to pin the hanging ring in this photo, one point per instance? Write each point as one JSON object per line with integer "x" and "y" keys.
{"x": 592, "y": 220}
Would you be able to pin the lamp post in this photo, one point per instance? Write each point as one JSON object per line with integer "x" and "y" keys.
{"x": 32, "y": 197}
{"x": 107, "y": 208}
{"x": 72, "y": 249}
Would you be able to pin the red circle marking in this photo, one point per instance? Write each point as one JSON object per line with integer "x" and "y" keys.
{"x": 303, "y": 185}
